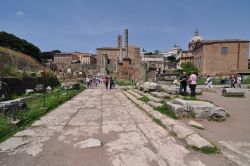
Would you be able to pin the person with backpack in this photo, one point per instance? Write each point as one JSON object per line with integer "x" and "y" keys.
{"x": 183, "y": 83}
{"x": 232, "y": 81}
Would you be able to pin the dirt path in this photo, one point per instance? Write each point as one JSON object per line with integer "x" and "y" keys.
{"x": 233, "y": 135}
{"x": 128, "y": 137}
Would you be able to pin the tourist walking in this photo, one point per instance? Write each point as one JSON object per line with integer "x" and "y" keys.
{"x": 106, "y": 81}
{"x": 183, "y": 83}
{"x": 110, "y": 83}
{"x": 87, "y": 82}
{"x": 239, "y": 80}
{"x": 209, "y": 82}
{"x": 232, "y": 81}
{"x": 192, "y": 83}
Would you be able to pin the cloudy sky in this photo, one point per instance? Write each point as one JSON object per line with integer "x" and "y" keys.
{"x": 84, "y": 25}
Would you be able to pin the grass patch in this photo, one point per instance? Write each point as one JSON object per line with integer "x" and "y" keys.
{"x": 164, "y": 109}
{"x": 37, "y": 107}
{"x": 189, "y": 98}
{"x": 206, "y": 149}
{"x": 125, "y": 88}
{"x": 159, "y": 122}
{"x": 123, "y": 82}
{"x": 197, "y": 127}
{"x": 144, "y": 99}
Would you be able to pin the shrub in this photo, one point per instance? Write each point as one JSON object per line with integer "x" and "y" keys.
{"x": 206, "y": 149}
{"x": 123, "y": 82}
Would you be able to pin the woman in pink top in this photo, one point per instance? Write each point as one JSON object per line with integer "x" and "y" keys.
{"x": 192, "y": 83}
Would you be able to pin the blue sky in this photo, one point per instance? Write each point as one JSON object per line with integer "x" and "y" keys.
{"x": 84, "y": 25}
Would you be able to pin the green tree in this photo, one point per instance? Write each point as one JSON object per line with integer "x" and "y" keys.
{"x": 189, "y": 67}
{"x": 49, "y": 54}
{"x": 15, "y": 43}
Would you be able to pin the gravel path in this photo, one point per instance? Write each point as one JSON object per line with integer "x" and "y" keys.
{"x": 233, "y": 135}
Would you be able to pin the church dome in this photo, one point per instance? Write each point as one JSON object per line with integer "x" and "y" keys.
{"x": 196, "y": 37}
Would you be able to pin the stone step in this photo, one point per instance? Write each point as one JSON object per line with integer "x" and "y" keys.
{"x": 176, "y": 108}
{"x": 154, "y": 104}
{"x": 179, "y": 129}
{"x": 139, "y": 92}
{"x": 152, "y": 98}
{"x": 201, "y": 109}
{"x": 161, "y": 95}
{"x": 138, "y": 96}
{"x": 170, "y": 90}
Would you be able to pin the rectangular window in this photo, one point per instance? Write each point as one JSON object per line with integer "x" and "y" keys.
{"x": 224, "y": 51}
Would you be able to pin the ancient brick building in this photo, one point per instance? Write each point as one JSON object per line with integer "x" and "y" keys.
{"x": 120, "y": 62}
{"x": 218, "y": 56}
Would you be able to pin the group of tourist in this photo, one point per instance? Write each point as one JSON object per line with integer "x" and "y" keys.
{"x": 188, "y": 80}
{"x": 92, "y": 82}
{"x": 230, "y": 80}
{"x": 109, "y": 82}
{"x": 191, "y": 80}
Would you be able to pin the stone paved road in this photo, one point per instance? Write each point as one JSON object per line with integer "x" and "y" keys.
{"x": 128, "y": 136}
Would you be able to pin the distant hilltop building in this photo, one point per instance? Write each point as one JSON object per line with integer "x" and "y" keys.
{"x": 217, "y": 56}
{"x": 120, "y": 62}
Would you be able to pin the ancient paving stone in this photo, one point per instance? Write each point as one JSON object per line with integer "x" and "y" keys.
{"x": 161, "y": 94}
{"x": 128, "y": 135}
{"x": 13, "y": 143}
{"x": 91, "y": 142}
{"x": 182, "y": 131}
{"x": 154, "y": 104}
{"x": 196, "y": 124}
{"x": 198, "y": 141}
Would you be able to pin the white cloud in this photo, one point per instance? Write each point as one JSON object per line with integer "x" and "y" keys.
{"x": 19, "y": 13}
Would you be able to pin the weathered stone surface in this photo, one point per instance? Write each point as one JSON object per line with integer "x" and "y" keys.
{"x": 152, "y": 98}
{"x": 182, "y": 131}
{"x": 49, "y": 88}
{"x": 29, "y": 91}
{"x": 176, "y": 108}
{"x": 131, "y": 138}
{"x": 160, "y": 94}
{"x": 139, "y": 92}
{"x": 170, "y": 89}
{"x": 169, "y": 121}
{"x": 155, "y": 99}
{"x": 136, "y": 95}
{"x": 10, "y": 103}
{"x": 150, "y": 86}
{"x": 201, "y": 109}
{"x": 70, "y": 85}
{"x": 233, "y": 92}
{"x": 13, "y": 143}
{"x": 39, "y": 88}
{"x": 198, "y": 141}
{"x": 194, "y": 123}
{"x": 181, "y": 102}
{"x": 205, "y": 112}
{"x": 91, "y": 142}
{"x": 154, "y": 104}
{"x": 176, "y": 82}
